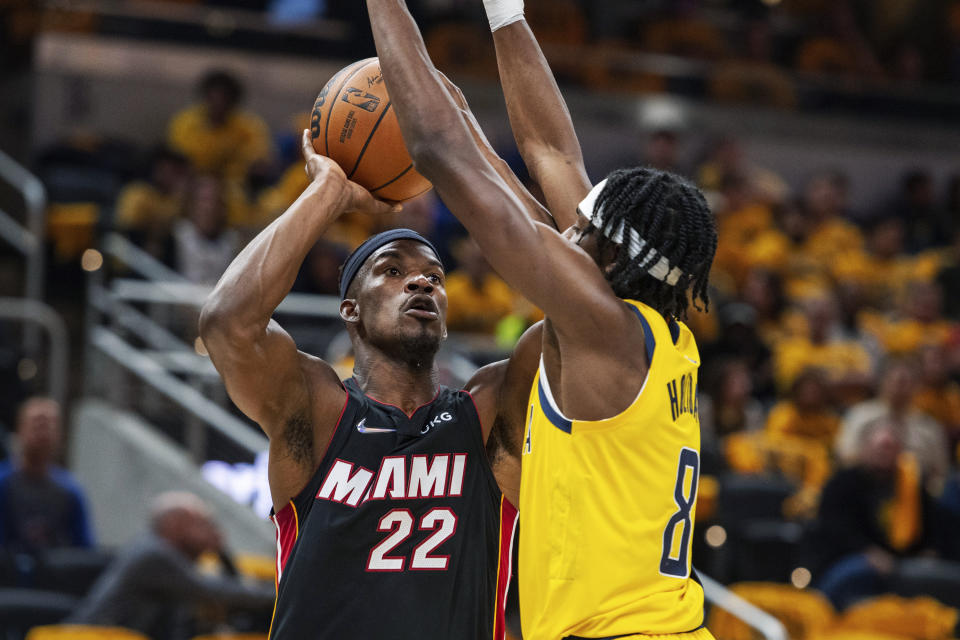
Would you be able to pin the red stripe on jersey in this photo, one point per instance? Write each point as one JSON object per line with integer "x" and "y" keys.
{"x": 288, "y": 528}
{"x": 508, "y": 527}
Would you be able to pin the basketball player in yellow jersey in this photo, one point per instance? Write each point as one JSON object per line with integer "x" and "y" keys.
{"x": 610, "y": 458}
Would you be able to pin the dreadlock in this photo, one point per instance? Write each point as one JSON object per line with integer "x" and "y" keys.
{"x": 673, "y": 217}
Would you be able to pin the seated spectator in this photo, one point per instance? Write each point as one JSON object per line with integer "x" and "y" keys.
{"x": 203, "y": 245}
{"x": 844, "y": 361}
{"x": 883, "y": 270}
{"x": 741, "y": 218}
{"x": 216, "y": 135}
{"x": 825, "y": 205}
{"x": 919, "y": 322}
{"x": 927, "y": 224}
{"x": 919, "y": 434}
{"x": 726, "y": 407}
{"x": 871, "y": 514}
{"x": 478, "y": 298}
{"x": 727, "y": 157}
{"x": 949, "y": 277}
{"x": 753, "y": 76}
{"x": 939, "y": 395}
{"x": 147, "y": 209}
{"x": 840, "y": 48}
{"x": 154, "y": 585}
{"x": 763, "y": 290}
{"x": 41, "y": 505}
{"x": 807, "y": 413}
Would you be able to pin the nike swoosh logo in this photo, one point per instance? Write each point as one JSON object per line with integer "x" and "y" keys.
{"x": 363, "y": 428}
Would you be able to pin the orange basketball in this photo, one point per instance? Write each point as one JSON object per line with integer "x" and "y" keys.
{"x": 354, "y": 125}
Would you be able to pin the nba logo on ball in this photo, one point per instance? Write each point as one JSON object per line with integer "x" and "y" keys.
{"x": 358, "y": 129}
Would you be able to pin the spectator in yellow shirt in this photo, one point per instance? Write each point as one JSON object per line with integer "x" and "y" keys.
{"x": 216, "y": 135}
{"x": 921, "y": 323}
{"x": 883, "y": 270}
{"x": 808, "y": 413}
{"x": 147, "y": 209}
{"x": 845, "y": 361}
{"x": 824, "y": 203}
{"x": 939, "y": 395}
{"x": 478, "y": 299}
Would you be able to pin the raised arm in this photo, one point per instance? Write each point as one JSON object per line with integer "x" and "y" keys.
{"x": 551, "y": 272}
{"x": 538, "y": 113}
{"x": 264, "y": 373}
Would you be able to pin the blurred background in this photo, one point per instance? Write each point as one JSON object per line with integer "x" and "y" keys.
{"x": 144, "y": 142}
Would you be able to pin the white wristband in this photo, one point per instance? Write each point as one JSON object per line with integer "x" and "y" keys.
{"x": 500, "y": 13}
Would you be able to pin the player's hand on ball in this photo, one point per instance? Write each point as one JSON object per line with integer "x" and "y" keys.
{"x": 322, "y": 169}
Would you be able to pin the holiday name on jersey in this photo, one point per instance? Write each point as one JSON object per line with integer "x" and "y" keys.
{"x": 683, "y": 399}
{"x": 399, "y": 478}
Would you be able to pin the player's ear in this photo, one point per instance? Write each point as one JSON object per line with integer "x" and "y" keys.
{"x": 350, "y": 311}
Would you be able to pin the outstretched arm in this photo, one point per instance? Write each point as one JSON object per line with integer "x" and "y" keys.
{"x": 264, "y": 373}
{"x": 551, "y": 272}
{"x": 538, "y": 113}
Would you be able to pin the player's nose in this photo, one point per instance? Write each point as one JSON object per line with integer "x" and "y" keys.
{"x": 420, "y": 283}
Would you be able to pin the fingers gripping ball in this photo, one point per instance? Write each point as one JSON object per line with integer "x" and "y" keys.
{"x": 354, "y": 123}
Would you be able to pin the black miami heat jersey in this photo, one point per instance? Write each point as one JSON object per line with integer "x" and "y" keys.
{"x": 401, "y": 534}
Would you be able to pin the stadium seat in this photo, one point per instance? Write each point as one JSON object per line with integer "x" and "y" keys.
{"x": 921, "y": 618}
{"x": 765, "y": 550}
{"x": 752, "y": 497}
{"x": 23, "y": 609}
{"x": 8, "y": 572}
{"x": 70, "y": 571}
{"x": 82, "y": 632}
{"x": 258, "y": 567}
{"x": 937, "y": 578}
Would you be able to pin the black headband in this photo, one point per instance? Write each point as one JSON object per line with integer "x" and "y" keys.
{"x": 356, "y": 259}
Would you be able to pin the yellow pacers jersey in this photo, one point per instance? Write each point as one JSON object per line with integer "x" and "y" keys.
{"x": 607, "y": 507}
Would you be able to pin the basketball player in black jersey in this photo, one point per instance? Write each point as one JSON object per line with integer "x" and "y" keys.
{"x": 390, "y": 523}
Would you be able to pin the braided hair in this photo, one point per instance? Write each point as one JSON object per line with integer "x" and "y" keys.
{"x": 673, "y": 218}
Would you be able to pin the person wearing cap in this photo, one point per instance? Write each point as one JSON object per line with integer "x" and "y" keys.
{"x": 390, "y": 521}
{"x": 606, "y": 429}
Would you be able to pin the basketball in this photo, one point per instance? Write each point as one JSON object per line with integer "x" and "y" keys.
{"x": 353, "y": 124}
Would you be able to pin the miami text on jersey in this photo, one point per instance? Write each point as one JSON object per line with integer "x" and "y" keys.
{"x": 399, "y": 478}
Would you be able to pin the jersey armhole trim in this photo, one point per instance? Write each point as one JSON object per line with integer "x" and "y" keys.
{"x": 549, "y": 405}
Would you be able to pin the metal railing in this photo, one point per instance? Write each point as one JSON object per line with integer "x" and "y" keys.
{"x": 751, "y": 615}
{"x": 28, "y": 239}
{"x": 39, "y": 315}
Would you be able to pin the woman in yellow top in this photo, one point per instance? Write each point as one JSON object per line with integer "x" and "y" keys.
{"x": 216, "y": 135}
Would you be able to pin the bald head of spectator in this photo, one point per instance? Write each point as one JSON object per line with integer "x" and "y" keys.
{"x": 898, "y": 385}
{"x": 39, "y": 434}
{"x": 821, "y": 313}
{"x": 825, "y": 196}
{"x": 809, "y": 391}
{"x": 185, "y": 521}
{"x": 924, "y": 301}
{"x": 881, "y": 446}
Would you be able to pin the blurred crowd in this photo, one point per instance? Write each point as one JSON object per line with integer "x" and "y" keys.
{"x": 173, "y": 582}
